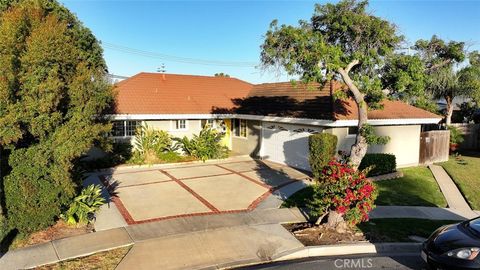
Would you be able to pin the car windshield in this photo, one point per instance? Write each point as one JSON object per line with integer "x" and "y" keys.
{"x": 475, "y": 225}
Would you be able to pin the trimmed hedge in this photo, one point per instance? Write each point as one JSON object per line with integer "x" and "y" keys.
{"x": 381, "y": 163}
{"x": 322, "y": 148}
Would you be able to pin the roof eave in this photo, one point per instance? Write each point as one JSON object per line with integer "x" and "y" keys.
{"x": 292, "y": 120}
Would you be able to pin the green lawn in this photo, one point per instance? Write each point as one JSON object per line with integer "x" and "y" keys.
{"x": 394, "y": 229}
{"x": 299, "y": 198}
{"x": 416, "y": 188}
{"x": 465, "y": 172}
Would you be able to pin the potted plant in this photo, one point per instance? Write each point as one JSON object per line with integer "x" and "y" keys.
{"x": 456, "y": 138}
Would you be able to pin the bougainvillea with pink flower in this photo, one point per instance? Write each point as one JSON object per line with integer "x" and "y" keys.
{"x": 345, "y": 190}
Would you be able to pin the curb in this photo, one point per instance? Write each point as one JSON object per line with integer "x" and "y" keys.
{"x": 349, "y": 249}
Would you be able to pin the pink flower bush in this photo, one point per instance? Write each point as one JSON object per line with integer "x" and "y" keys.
{"x": 345, "y": 190}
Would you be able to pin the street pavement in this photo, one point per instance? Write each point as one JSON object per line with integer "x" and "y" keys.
{"x": 368, "y": 261}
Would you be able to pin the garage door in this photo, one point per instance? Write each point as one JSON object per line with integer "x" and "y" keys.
{"x": 287, "y": 144}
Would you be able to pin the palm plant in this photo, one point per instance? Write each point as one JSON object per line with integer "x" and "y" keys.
{"x": 84, "y": 206}
{"x": 151, "y": 143}
{"x": 448, "y": 83}
{"x": 206, "y": 145}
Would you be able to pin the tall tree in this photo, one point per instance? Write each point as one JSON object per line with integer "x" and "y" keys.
{"x": 341, "y": 40}
{"x": 443, "y": 77}
{"x": 53, "y": 92}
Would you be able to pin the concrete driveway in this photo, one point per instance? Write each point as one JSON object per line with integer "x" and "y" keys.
{"x": 239, "y": 184}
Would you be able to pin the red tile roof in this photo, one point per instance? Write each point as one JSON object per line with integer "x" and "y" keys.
{"x": 155, "y": 93}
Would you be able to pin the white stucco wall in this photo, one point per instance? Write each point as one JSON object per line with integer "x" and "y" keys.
{"x": 193, "y": 127}
{"x": 404, "y": 142}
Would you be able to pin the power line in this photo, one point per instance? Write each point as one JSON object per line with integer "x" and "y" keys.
{"x": 179, "y": 59}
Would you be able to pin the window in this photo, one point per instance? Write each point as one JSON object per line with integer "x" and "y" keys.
{"x": 352, "y": 131}
{"x": 180, "y": 124}
{"x": 118, "y": 128}
{"x": 131, "y": 127}
{"x": 124, "y": 128}
{"x": 240, "y": 127}
{"x": 208, "y": 122}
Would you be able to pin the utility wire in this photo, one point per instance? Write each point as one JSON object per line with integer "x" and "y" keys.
{"x": 179, "y": 59}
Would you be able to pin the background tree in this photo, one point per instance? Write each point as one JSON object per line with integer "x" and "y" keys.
{"x": 221, "y": 74}
{"x": 343, "y": 41}
{"x": 53, "y": 92}
{"x": 444, "y": 77}
{"x": 405, "y": 78}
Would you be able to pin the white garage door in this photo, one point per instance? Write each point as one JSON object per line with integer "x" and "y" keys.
{"x": 287, "y": 144}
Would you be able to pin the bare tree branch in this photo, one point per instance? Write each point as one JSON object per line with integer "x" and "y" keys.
{"x": 351, "y": 65}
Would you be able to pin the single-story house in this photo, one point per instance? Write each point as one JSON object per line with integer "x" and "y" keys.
{"x": 269, "y": 120}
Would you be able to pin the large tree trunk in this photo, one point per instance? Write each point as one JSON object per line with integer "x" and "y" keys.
{"x": 449, "y": 112}
{"x": 359, "y": 149}
{"x": 336, "y": 221}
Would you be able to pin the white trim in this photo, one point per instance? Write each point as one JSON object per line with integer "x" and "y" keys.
{"x": 167, "y": 116}
{"x": 303, "y": 121}
{"x": 340, "y": 123}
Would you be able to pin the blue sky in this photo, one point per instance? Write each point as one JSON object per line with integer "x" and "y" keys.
{"x": 231, "y": 31}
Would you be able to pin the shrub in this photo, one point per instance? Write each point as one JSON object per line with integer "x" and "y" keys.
{"x": 171, "y": 157}
{"x": 149, "y": 141}
{"x": 344, "y": 190}
{"x": 456, "y": 136}
{"x": 322, "y": 149}
{"x": 206, "y": 145}
{"x": 34, "y": 194}
{"x": 378, "y": 163}
{"x": 150, "y": 144}
{"x": 84, "y": 206}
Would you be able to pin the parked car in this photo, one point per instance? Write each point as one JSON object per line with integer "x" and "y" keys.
{"x": 455, "y": 246}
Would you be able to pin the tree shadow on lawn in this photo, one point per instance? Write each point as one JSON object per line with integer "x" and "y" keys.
{"x": 392, "y": 199}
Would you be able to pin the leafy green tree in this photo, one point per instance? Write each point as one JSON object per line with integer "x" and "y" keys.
{"x": 444, "y": 77}
{"x": 341, "y": 40}
{"x": 53, "y": 93}
{"x": 405, "y": 78}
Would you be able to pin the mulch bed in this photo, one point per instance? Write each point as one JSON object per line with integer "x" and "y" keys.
{"x": 311, "y": 235}
{"x": 57, "y": 231}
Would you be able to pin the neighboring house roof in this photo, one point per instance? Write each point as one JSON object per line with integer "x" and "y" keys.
{"x": 156, "y": 93}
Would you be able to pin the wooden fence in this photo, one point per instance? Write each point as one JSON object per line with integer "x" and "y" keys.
{"x": 434, "y": 146}
{"x": 471, "y": 136}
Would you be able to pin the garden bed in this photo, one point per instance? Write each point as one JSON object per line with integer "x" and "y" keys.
{"x": 103, "y": 260}
{"x": 311, "y": 235}
{"x": 57, "y": 231}
{"x": 374, "y": 231}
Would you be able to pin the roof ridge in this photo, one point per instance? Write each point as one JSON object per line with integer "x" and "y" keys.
{"x": 192, "y": 75}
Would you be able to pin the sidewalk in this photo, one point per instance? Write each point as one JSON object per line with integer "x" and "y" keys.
{"x": 87, "y": 244}
{"x": 212, "y": 249}
{"x": 453, "y": 196}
